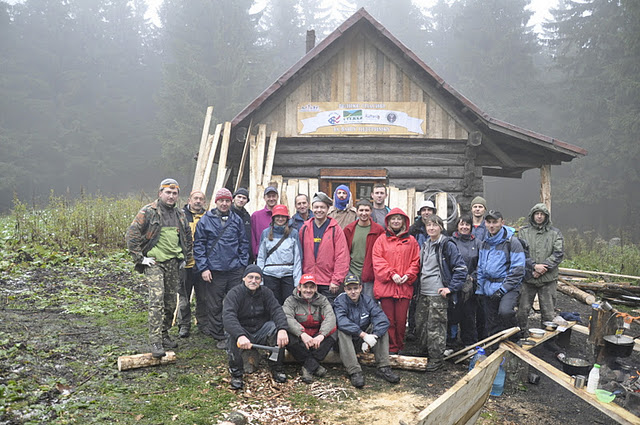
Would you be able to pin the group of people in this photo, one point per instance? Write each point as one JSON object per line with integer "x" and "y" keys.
{"x": 337, "y": 276}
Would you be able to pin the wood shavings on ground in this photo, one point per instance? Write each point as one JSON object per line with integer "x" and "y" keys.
{"x": 328, "y": 392}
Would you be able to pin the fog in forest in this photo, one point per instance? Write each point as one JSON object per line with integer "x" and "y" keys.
{"x": 96, "y": 98}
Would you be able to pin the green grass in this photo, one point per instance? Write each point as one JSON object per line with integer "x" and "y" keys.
{"x": 589, "y": 252}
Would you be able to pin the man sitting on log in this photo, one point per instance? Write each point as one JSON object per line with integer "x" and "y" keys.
{"x": 252, "y": 315}
{"x": 312, "y": 326}
{"x": 362, "y": 325}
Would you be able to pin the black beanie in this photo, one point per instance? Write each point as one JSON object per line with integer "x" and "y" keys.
{"x": 252, "y": 268}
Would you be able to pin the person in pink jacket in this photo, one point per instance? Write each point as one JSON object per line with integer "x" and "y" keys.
{"x": 396, "y": 263}
{"x": 324, "y": 249}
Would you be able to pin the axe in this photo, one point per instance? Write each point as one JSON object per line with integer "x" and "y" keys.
{"x": 274, "y": 351}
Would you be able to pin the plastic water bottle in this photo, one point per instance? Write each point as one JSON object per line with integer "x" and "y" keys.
{"x": 594, "y": 379}
{"x": 477, "y": 357}
{"x": 498, "y": 384}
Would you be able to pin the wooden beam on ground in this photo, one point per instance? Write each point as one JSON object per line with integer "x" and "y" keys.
{"x": 612, "y": 410}
{"x": 569, "y": 289}
{"x": 545, "y": 185}
{"x": 144, "y": 360}
{"x": 579, "y": 273}
{"x": 243, "y": 160}
{"x": 197, "y": 179}
{"x": 464, "y": 350}
{"x": 507, "y": 333}
{"x": 462, "y": 403}
{"x": 368, "y": 359}
{"x": 222, "y": 161}
{"x": 268, "y": 165}
{"x": 213, "y": 147}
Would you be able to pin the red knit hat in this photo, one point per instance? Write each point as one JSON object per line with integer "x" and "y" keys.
{"x": 223, "y": 193}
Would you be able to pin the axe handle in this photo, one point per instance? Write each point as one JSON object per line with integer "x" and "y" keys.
{"x": 265, "y": 347}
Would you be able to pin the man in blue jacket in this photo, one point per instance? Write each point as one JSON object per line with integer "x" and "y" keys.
{"x": 501, "y": 266}
{"x": 221, "y": 252}
{"x": 362, "y": 325}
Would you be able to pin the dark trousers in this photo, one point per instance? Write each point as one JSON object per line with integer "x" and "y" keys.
{"x": 501, "y": 314}
{"x": 281, "y": 287}
{"x": 266, "y": 335}
{"x": 324, "y": 290}
{"x": 190, "y": 281}
{"x": 480, "y": 317}
{"x": 310, "y": 358}
{"x": 463, "y": 314}
{"x": 221, "y": 283}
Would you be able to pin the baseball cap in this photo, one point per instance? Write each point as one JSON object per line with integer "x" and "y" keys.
{"x": 493, "y": 215}
{"x": 351, "y": 279}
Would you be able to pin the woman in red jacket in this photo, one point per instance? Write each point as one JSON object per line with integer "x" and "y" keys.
{"x": 396, "y": 262}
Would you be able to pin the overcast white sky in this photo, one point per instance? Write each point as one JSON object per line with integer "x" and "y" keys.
{"x": 540, "y": 8}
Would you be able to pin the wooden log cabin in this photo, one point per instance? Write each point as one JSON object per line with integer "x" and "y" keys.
{"x": 361, "y": 108}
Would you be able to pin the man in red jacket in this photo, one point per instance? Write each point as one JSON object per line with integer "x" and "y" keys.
{"x": 361, "y": 235}
{"x": 324, "y": 249}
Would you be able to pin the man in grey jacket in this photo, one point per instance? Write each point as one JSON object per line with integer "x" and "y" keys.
{"x": 546, "y": 249}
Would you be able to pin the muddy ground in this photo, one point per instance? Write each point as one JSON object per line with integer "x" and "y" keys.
{"x": 64, "y": 353}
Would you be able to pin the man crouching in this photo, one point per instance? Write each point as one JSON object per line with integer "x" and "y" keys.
{"x": 362, "y": 323}
{"x": 252, "y": 315}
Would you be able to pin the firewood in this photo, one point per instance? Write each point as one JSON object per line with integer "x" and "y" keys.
{"x": 144, "y": 360}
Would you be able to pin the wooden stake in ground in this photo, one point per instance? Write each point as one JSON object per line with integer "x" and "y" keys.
{"x": 197, "y": 181}
{"x": 144, "y": 360}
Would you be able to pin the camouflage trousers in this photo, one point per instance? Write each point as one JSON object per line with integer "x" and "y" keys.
{"x": 163, "y": 280}
{"x": 546, "y": 297}
{"x": 431, "y": 325}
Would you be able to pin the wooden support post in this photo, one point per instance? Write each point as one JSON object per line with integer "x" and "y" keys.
{"x": 545, "y": 185}
{"x": 253, "y": 174}
{"x": 213, "y": 146}
{"x": 197, "y": 180}
{"x": 243, "y": 160}
{"x": 144, "y": 360}
{"x": 441, "y": 207}
{"x": 222, "y": 161}
{"x": 411, "y": 202}
{"x": 262, "y": 142}
{"x": 271, "y": 153}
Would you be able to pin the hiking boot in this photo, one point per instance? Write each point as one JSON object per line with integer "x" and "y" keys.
{"x": 434, "y": 365}
{"x": 157, "y": 351}
{"x": 357, "y": 379}
{"x": 236, "y": 383}
{"x": 221, "y": 344}
{"x": 388, "y": 375}
{"x": 184, "y": 332}
{"x": 168, "y": 342}
{"x": 279, "y": 377}
{"x": 320, "y": 371}
{"x": 307, "y": 377}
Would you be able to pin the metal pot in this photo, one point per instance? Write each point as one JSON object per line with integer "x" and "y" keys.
{"x": 575, "y": 366}
{"x": 618, "y": 345}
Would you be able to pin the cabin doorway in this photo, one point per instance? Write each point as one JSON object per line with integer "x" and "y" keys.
{"x": 359, "y": 181}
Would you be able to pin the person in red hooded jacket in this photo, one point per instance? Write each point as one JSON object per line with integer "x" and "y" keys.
{"x": 396, "y": 263}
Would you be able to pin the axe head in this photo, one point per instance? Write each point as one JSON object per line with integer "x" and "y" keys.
{"x": 274, "y": 351}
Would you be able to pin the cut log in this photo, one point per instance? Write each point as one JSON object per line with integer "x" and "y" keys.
{"x": 368, "y": 359}
{"x": 569, "y": 289}
{"x": 581, "y": 273}
{"x": 144, "y": 360}
{"x": 615, "y": 288}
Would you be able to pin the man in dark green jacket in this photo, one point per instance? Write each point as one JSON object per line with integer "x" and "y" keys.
{"x": 546, "y": 249}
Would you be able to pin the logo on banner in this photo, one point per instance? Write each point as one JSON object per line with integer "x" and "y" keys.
{"x": 354, "y": 115}
{"x": 334, "y": 118}
{"x": 391, "y": 117}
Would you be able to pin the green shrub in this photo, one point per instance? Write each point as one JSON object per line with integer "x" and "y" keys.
{"x": 587, "y": 251}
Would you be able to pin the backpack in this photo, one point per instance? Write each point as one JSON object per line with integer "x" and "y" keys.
{"x": 528, "y": 261}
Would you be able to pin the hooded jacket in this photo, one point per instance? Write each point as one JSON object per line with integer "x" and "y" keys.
{"x": 312, "y": 317}
{"x": 284, "y": 261}
{"x": 144, "y": 232}
{"x": 395, "y": 254}
{"x": 500, "y": 263}
{"x": 331, "y": 264}
{"x": 353, "y": 318}
{"x": 469, "y": 247}
{"x": 546, "y": 245}
{"x": 374, "y": 232}
{"x": 451, "y": 265}
{"x": 231, "y": 251}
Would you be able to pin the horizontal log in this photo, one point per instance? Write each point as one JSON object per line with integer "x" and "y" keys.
{"x": 576, "y": 293}
{"x": 368, "y": 359}
{"x": 580, "y": 273}
{"x": 319, "y": 145}
{"x": 144, "y": 360}
{"x": 367, "y": 159}
{"x": 608, "y": 287}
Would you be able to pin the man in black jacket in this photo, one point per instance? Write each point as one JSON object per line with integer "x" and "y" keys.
{"x": 240, "y": 199}
{"x": 252, "y": 315}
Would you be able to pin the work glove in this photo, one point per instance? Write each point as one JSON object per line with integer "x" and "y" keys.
{"x": 182, "y": 264}
{"x": 497, "y": 296}
{"x": 370, "y": 340}
{"x": 147, "y": 261}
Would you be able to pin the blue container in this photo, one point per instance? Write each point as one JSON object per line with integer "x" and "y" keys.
{"x": 478, "y": 356}
{"x": 498, "y": 383}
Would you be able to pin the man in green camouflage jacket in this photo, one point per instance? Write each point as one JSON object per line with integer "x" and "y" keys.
{"x": 159, "y": 240}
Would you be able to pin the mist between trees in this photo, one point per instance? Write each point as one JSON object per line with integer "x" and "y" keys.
{"x": 95, "y": 96}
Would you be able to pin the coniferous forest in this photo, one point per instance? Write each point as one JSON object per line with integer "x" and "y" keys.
{"x": 97, "y": 98}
